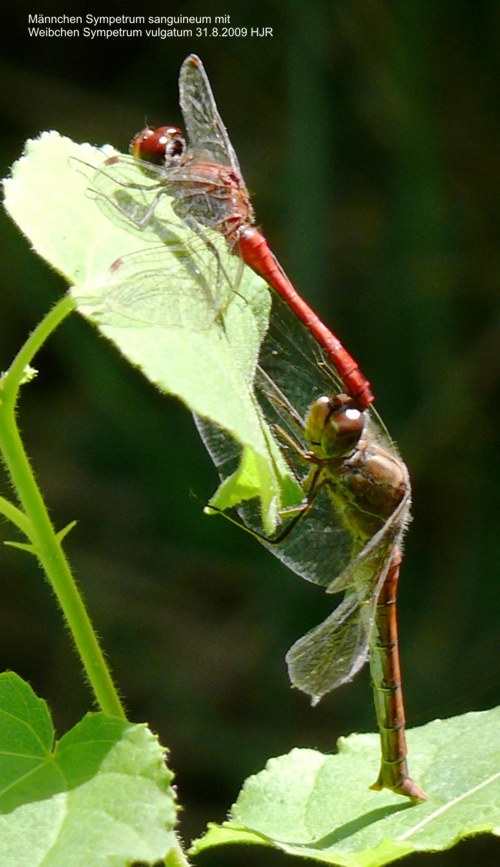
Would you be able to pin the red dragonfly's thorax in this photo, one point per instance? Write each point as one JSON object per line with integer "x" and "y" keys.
{"x": 227, "y": 189}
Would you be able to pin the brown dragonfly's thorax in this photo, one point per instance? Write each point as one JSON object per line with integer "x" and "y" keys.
{"x": 372, "y": 483}
{"x": 366, "y": 480}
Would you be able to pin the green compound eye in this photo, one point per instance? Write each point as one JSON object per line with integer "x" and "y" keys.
{"x": 333, "y": 426}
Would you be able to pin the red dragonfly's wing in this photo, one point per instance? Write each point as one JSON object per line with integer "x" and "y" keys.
{"x": 206, "y": 133}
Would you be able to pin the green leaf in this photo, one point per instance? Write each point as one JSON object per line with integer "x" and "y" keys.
{"x": 180, "y": 307}
{"x": 21, "y": 546}
{"x": 101, "y": 796}
{"x": 61, "y": 534}
{"x": 320, "y": 807}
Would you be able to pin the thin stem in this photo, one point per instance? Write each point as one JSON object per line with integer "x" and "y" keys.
{"x": 36, "y": 524}
{"x": 12, "y": 380}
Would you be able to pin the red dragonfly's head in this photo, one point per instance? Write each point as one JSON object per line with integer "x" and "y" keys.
{"x": 163, "y": 146}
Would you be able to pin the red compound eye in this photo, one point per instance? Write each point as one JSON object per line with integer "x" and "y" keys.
{"x": 164, "y": 145}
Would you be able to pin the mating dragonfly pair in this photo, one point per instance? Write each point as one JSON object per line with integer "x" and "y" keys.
{"x": 346, "y": 535}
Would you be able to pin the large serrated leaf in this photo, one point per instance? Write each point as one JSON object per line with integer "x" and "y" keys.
{"x": 320, "y": 807}
{"x": 101, "y": 795}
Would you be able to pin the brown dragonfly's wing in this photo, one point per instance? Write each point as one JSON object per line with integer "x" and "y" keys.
{"x": 318, "y": 548}
{"x": 333, "y": 652}
{"x": 207, "y": 135}
{"x": 293, "y": 372}
{"x": 368, "y": 568}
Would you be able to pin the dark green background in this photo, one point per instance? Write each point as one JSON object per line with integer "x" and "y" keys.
{"x": 366, "y": 134}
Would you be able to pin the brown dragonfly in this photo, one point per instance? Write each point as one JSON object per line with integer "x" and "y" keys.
{"x": 346, "y": 536}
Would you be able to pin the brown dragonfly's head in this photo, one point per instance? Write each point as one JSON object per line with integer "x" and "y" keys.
{"x": 334, "y": 426}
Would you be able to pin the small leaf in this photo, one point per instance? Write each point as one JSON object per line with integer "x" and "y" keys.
{"x": 23, "y": 546}
{"x": 102, "y": 796}
{"x": 319, "y": 807}
{"x": 61, "y": 534}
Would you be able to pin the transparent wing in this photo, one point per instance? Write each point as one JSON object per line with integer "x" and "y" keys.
{"x": 182, "y": 283}
{"x": 179, "y": 276}
{"x": 127, "y": 192}
{"x": 319, "y": 548}
{"x": 293, "y": 371}
{"x": 207, "y": 135}
{"x": 333, "y": 652}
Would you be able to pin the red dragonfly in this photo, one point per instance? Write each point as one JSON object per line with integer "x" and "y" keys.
{"x": 204, "y": 180}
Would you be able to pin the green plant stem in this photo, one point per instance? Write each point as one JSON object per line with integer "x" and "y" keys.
{"x": 13, "y": 379}
{"x": 36, "y": 523}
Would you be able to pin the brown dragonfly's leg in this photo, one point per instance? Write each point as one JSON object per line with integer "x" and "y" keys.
{"x": 385, "y": 673}
{"x": 312, "y": 485}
